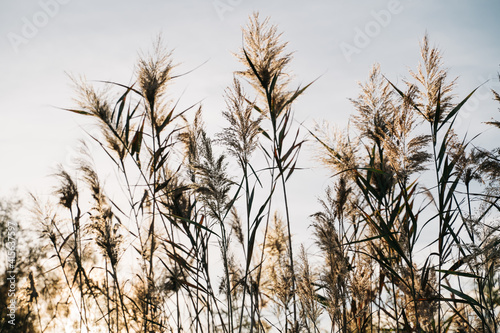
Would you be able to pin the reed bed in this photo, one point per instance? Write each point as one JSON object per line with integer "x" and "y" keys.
{"x": 140, "y": 256}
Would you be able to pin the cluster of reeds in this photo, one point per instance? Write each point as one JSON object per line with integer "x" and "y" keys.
{"x": 143, "y": 260}
{"x": 184, "y": 243}
{"x": 381, "y": 209}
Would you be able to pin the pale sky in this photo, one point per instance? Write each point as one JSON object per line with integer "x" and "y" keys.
{"x": 42, "y": 40}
